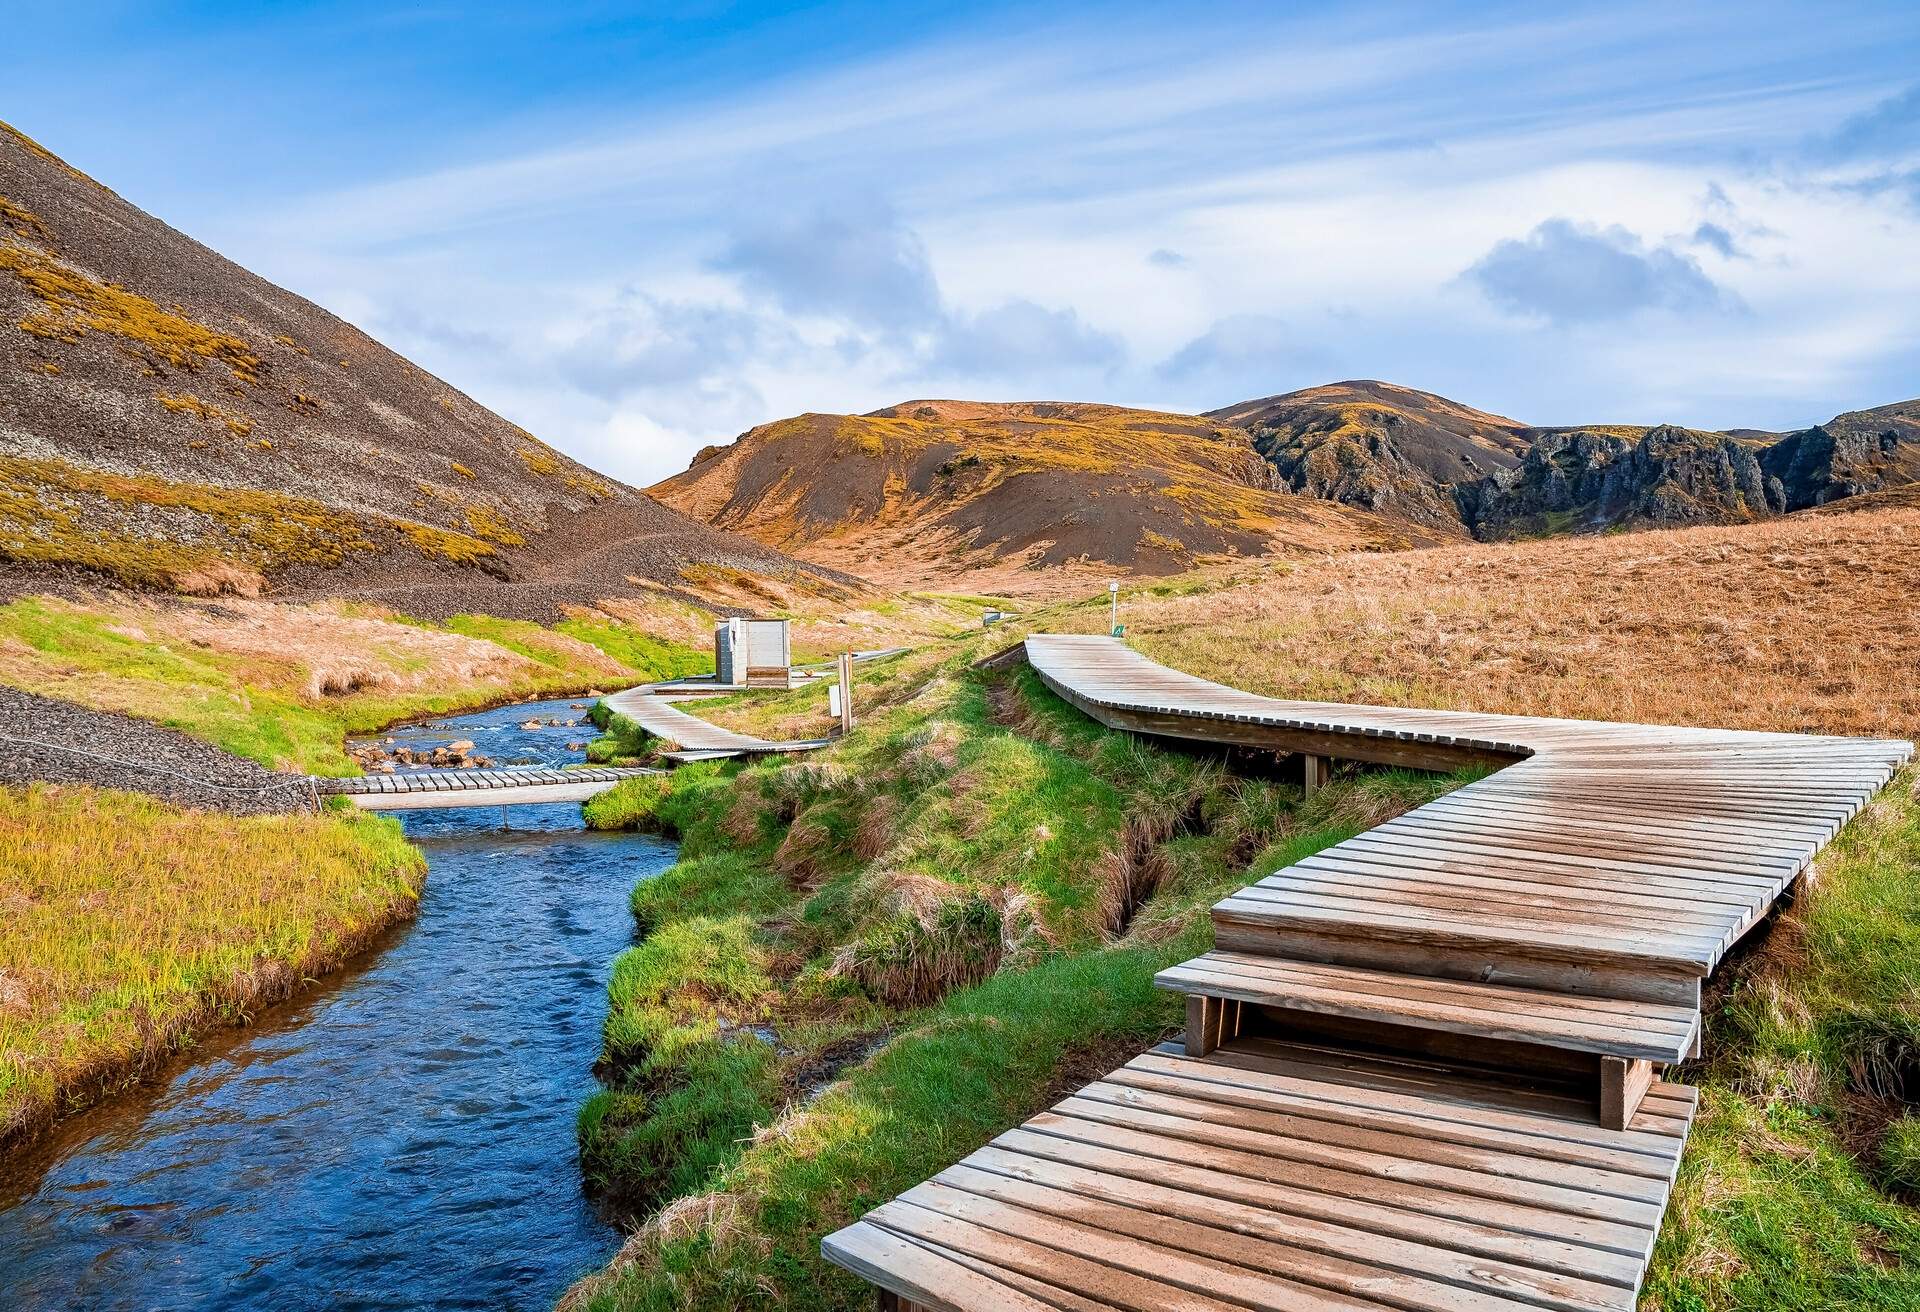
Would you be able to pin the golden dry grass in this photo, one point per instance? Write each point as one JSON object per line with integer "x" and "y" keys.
{"x": 1806, "y": 624}
{"x": 126, "y": 925}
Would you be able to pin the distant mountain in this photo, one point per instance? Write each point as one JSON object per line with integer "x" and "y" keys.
{"x": 1379, "y": 446}
{"x": 1587, "y": 479}
{"x": 1438, "y": 464}
{"x": 169, "y": 420}
{"x": 995, "y": 494}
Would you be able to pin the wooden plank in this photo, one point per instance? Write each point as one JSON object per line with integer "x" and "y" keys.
{"x": 1272, "y": 1190}
{"x": 1496, "y": 1012}
{"x": 920, "y": 1273}
{"x": 1396, "y": 1273}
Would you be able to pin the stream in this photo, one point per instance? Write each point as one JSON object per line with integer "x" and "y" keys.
{"x": 399, "y": 1136}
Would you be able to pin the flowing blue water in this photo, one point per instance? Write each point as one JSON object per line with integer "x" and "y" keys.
{"x": 399, "y": 1137}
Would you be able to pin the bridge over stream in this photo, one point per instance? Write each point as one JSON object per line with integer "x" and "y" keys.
{"x": 417, "y": 790}
{"x": 1420, "y": 1068}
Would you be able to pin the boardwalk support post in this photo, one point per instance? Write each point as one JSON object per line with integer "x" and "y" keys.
{"x": 1210, "y": 1023}
{"x": 1316, "y": 772}
{"x": 1623, "y": 1084}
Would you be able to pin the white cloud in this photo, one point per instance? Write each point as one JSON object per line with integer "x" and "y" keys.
{"x": 1170, "y": 217}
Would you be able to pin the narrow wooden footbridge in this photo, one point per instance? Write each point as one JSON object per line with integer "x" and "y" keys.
{"x": 1420, "y": 1069}
{"x": 417, "y": 790}
{"x": 693, "y": 738}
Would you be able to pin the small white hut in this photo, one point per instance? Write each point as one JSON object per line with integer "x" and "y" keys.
{"x": 754, "y": 653}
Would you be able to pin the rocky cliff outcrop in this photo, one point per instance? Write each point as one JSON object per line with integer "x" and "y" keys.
{"x": 1389, "y": 449}
{"x": 1575, "y": 480}
{"x": 1857, "y": 452}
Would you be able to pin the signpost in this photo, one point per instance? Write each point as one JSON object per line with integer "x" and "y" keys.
{"x": 846, "y": 692}
{"x": 1113, "y": 596}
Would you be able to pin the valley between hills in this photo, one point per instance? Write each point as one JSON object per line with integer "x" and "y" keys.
{"x": 244, "y": 547}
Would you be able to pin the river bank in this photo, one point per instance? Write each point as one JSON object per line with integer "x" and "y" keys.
{"x": 867, "y": 963}
{"x": 161, "y": 724}
{"x": 404, "y": 1126}
{"x": 111, "y": 962}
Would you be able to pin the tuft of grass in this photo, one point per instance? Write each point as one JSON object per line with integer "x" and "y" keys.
{"x": 128, "y": 926}
{"x": 1900, "y": 1157}
{"x": 690, "y": 1079}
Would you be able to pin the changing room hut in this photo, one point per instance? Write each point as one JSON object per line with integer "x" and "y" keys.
{"x": 752, "y": 653}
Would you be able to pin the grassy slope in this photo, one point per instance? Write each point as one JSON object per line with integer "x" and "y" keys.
{"x": 108, "y": 954}
{"x": 1798, "y": 1187}
{"x": 947, "y": 885}
{"x": 284, "y": 685}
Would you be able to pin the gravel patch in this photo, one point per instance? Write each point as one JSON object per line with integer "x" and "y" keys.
{"x": 44, "y": 738}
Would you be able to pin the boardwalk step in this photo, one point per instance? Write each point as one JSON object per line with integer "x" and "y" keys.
{"x": 1618, "y": 1027}
{"x": 1273, "y": 1175}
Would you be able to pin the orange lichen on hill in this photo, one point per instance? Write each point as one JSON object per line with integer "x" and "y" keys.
{"x": 444, "y": 543}
{"x": 76, "y": 304}
{"x": 187, "y": 403}
{"x": 484, "y": 522}
{"x": 154, "y": 532}
{"x": 52, "y": 512}
{"x": 23, "y": 221}
{"x": 538, "y": 457}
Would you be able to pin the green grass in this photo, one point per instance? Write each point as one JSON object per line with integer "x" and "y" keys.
{"x": 621, "y": 741}
{"x": 130, "y": 925}
{"x": 656, "y": 658}
{"x": 1796, "y": 1188}
{"x": 939, "y": 889}
{"x": 688, "y": 1082}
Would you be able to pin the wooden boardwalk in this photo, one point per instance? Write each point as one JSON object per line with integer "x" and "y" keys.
{"x": 693, "y": 737}
{"x": 418, "y": 790}
{"x": 1420, "y": 1067}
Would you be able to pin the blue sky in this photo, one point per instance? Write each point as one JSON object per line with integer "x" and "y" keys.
{"x": 636, "y": 230}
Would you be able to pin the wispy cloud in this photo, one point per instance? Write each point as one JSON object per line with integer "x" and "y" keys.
{"x": 1171, "y": 211}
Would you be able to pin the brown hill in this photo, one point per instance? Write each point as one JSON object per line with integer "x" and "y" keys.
{"x": 990, "y": 494}
{"x": 1377, "y": 445}
{"x": 169, "y": 420}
